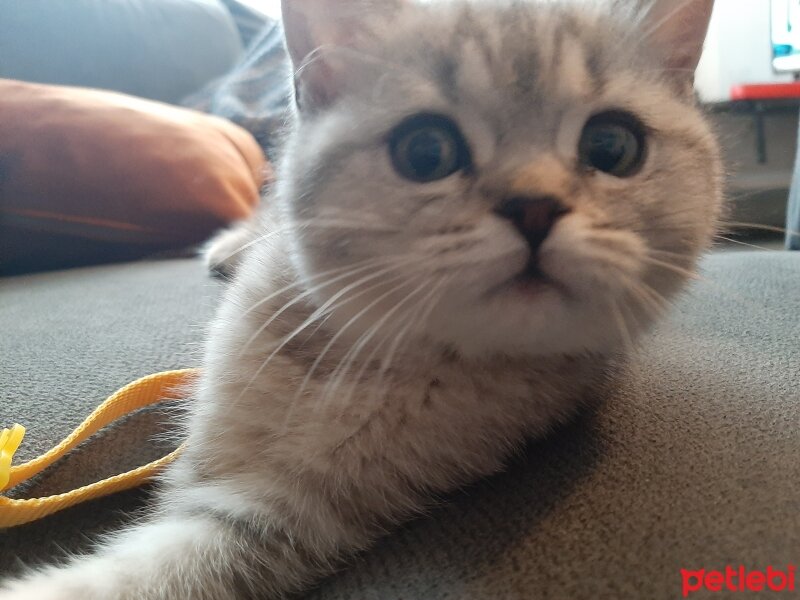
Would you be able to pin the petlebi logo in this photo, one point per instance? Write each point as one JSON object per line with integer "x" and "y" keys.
{"x": 739, "y": 579}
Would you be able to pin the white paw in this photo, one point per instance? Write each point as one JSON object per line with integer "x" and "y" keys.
{"x": 223, "y": 252}
{"x": 82, "y": 580}
{"x": 34, "y": 590}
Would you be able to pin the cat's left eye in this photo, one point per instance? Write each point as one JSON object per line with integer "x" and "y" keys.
{"x": 428, "y": 147}
{"x": 614, "y": 143}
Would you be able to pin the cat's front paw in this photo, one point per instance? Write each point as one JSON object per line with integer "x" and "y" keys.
{"x": 223, "y": 252}
{"x": 35, "y": 590}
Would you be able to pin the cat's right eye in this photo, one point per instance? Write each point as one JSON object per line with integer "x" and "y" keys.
{"x": 613, "y": 142}
{"x": 428, "y": 147}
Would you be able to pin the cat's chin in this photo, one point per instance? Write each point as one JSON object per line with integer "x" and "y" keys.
{"x": 530, "y": 285}
{"x": 521, "y": 318}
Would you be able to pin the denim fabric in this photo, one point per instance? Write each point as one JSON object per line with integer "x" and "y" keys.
{"x": 257, "y": 92}
{"x": 249, "y": 21}
{"x": 156, "y": 49}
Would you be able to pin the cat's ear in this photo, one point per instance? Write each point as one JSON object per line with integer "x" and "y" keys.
{"x": 677, "y": 29}
{"x": 316, "y": 33}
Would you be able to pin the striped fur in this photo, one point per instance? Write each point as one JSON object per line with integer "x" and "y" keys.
{"x": 368, "y": 355}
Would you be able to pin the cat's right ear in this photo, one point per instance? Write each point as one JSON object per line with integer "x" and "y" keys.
{"x": 677, "y": 29}
{"x": 314, "y": 31}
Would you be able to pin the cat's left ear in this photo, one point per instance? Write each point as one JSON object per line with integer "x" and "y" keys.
{"x": 677, "y": 28}
{"x": 317, "y": 32}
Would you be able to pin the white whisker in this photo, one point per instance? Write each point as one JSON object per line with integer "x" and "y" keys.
{"x": 746, "y": 244}
{"x": 341, "y": 331}
{"x": 322, "y": 309}
{"x": 353, "y": 353}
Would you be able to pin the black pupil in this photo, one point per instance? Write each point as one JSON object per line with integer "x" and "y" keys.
{"x": 427, "y": 147}
{"x": 425, "y": 152}
{"x": 609, "y": 146}
{"x": 613, "y": 143}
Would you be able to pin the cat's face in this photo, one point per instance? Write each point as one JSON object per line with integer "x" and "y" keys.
{"x": 522, "y": 178}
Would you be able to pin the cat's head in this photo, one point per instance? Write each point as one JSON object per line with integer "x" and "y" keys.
{"x": 503, "y": 177}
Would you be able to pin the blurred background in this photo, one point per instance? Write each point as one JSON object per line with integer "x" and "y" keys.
{"x": 225, "y": 58}
{"x": 747, "y": 79}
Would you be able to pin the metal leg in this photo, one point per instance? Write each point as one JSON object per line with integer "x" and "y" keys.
{"x": 793, "y": 210}
{"x": 761, "y": 136}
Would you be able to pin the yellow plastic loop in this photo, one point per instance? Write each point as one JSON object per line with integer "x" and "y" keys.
{"x": 143, "y": 392}
{"x": 10, "y": 439}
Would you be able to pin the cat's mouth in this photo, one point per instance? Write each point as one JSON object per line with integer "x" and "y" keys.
{"x": 530, "y": 282}
{"x": 532, "y": 275}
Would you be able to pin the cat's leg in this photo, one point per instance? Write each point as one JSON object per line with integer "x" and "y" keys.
{"x": 202, "y": 556}
{"x": 223, "y": 253}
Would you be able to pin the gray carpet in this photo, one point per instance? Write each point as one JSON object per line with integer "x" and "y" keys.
{"x": 690, "y": 462}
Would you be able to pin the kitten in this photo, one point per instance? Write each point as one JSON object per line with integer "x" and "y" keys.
{"x": 479, "y": 206}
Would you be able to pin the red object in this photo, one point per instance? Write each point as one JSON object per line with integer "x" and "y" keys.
{"x": 765, "y": 91}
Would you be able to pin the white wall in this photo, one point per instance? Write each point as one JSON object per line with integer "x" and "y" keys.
{"x": 738, "y": 49}
{"x": 270, "y": 7}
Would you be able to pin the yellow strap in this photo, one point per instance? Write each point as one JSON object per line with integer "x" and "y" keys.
{"x": 143, "y": 392}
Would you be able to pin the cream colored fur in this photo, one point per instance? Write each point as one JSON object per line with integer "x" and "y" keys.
{"x": 371, "y": 353}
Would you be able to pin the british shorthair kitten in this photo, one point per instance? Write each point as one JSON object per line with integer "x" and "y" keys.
{"x": 479, "y": 205}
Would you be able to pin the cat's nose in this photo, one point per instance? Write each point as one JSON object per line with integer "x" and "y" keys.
{"x": 533, "y": 217}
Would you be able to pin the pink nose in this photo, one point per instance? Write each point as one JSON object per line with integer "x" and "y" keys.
{"x": 533, "y": 217}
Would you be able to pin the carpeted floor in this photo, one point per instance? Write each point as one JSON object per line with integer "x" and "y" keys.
{"x": 690, "y": 461}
